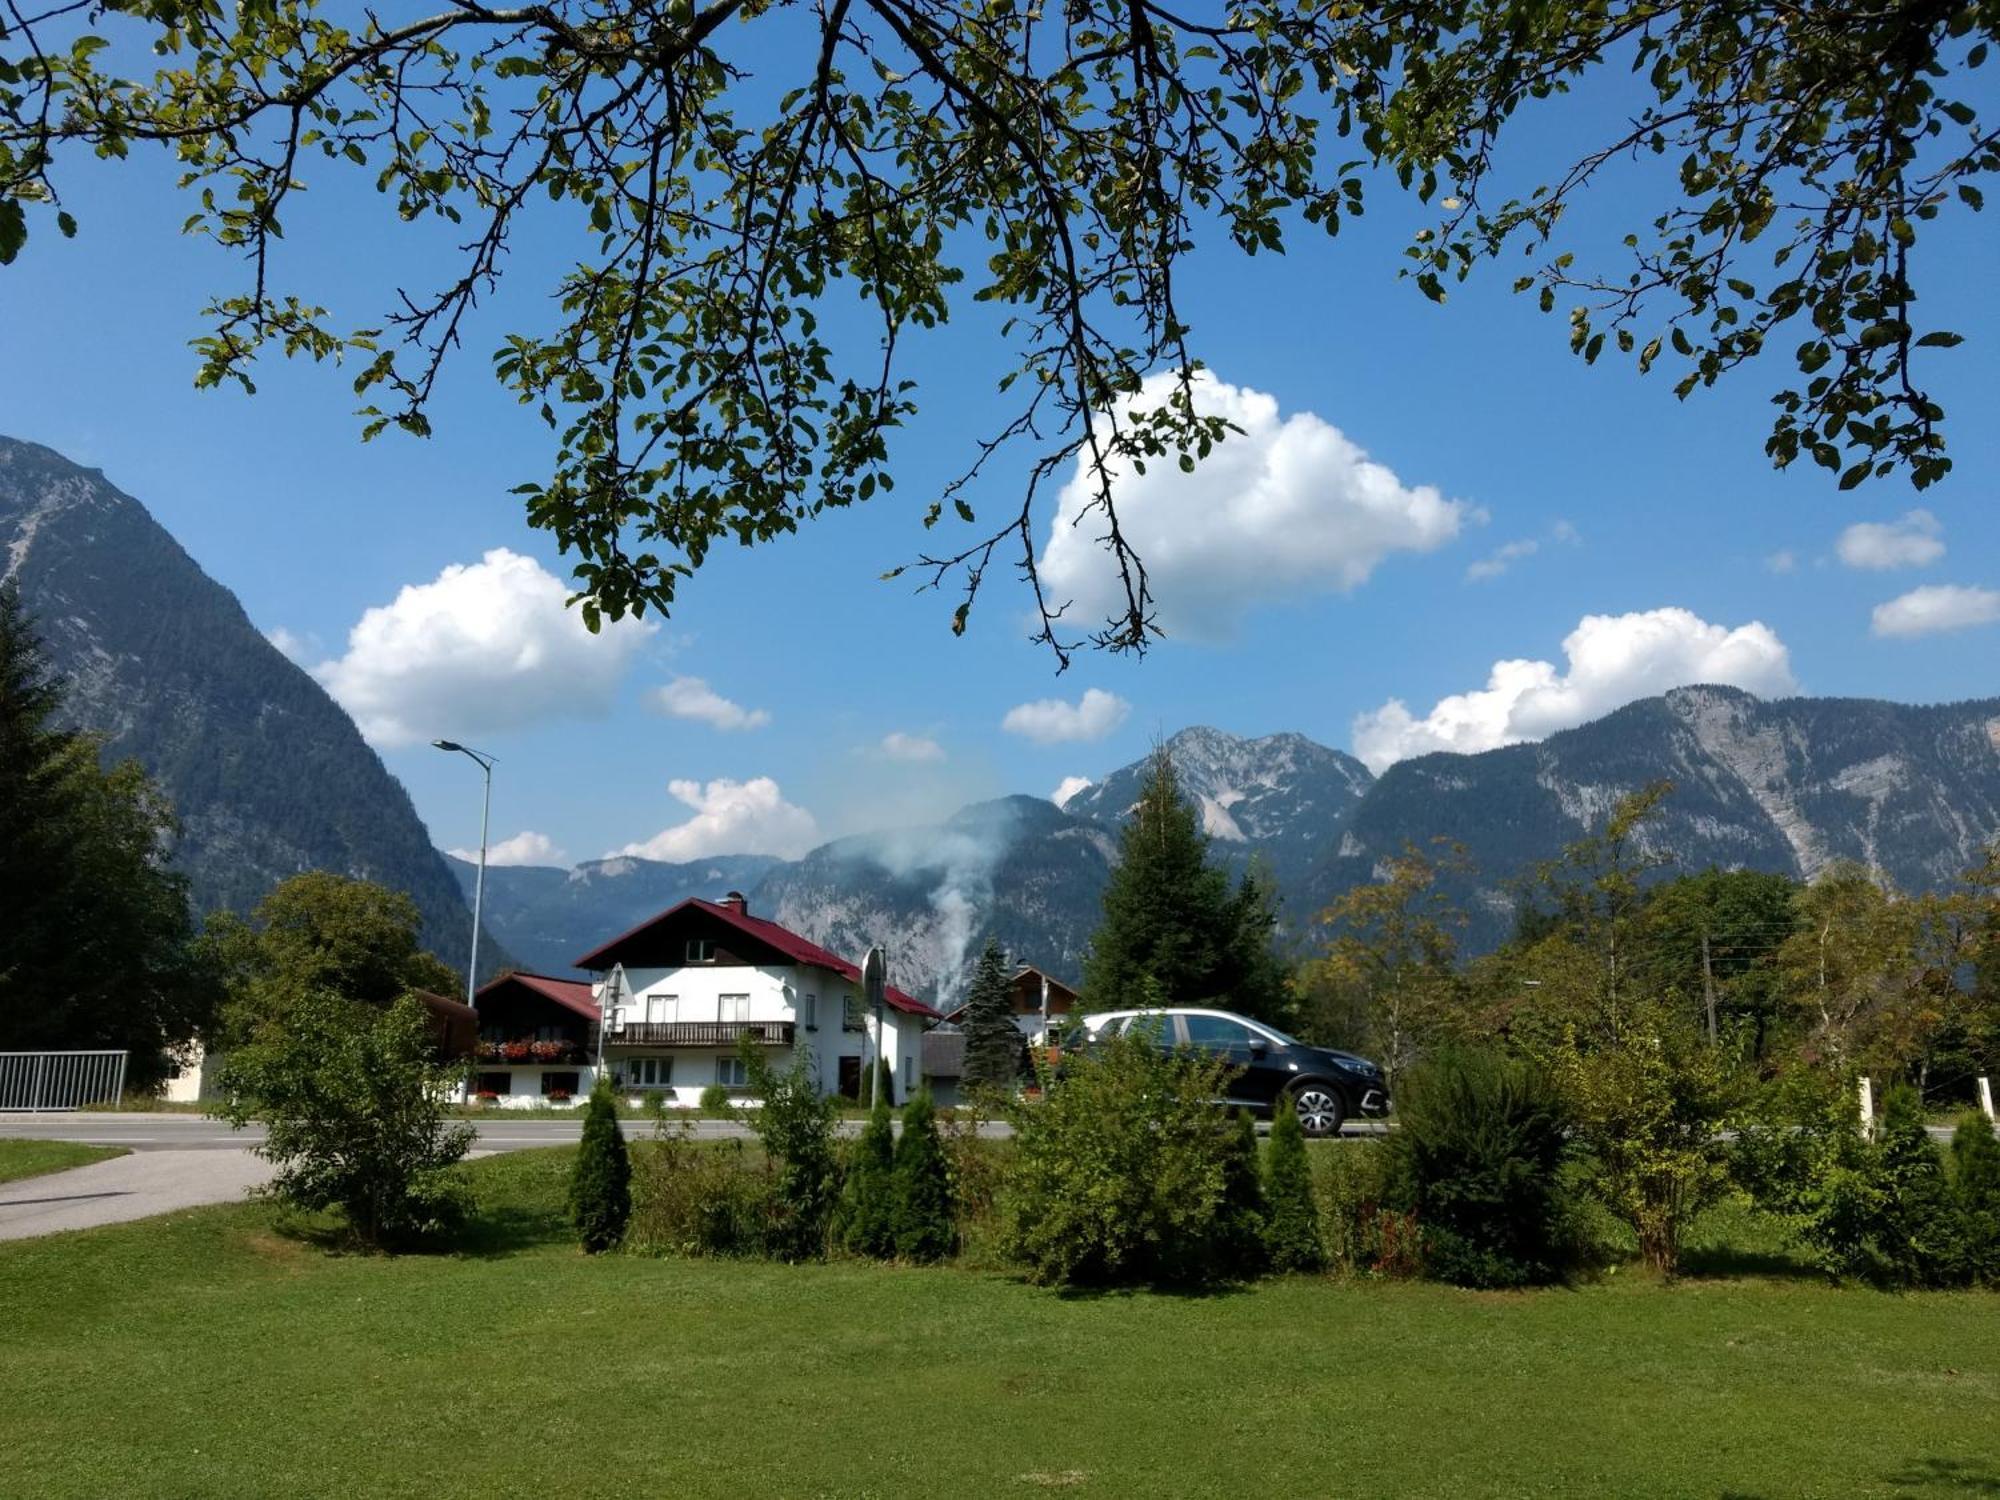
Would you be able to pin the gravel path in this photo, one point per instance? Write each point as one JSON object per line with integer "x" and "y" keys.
{"x": 126, "y": 1187}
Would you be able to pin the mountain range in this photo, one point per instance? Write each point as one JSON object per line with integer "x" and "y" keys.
{"x": 270, "y": 777}
{"x": 1788, "y": 786}
{"x": 267, "y": 774}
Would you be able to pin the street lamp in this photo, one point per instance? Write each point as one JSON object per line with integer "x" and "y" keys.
{"x": 485, "y": 764}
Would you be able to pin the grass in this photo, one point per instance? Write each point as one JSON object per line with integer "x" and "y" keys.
{"x": 24, "y": 1158}
{"x": 212, "y": 1353}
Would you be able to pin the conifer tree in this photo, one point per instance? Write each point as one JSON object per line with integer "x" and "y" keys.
{"x": 1241, "y": 1224}
{"x": 1975, "y": 1163}
{"x": 1291, "y": 1216}
{"x": 994, "y": 1046}
{"x": 926, "y": 1229}
{"x": 868, "y": 1197}
{"x": 99, "y": 945}
{"x": 1170, "y": 915}
{"x": 600, "y": 1185}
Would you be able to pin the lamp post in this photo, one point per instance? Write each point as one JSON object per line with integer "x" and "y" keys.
{"x": 485, "y": 764}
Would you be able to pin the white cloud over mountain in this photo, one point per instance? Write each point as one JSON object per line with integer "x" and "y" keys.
{"x": 1287, "y": 506}
{"x": 524, "y": 848}
{"x": 731, "y": 817}
{"x": 1936, "y": 608}
{"x": 483, "y": 647}
{"x": 1051, "y": 721}
{"x": 1914, "y": 541}
{"x": 692, "y": 698}
{"x": 1068, "y": 788}
{"x": 1611, "y": 660}
{"x": 897, "y": 745}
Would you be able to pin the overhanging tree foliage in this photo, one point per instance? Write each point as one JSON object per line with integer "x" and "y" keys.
{"x": 726, "y": 169}
{"x": 98, "y": 949}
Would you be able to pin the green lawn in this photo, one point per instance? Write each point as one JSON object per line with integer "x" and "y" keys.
{"x": 205, "y": 1354}
{"x": 20, "y": 1159}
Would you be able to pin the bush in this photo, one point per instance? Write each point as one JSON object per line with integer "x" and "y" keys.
{"x": 352, "y": 1100}
{"x": 1350, "y": 1190}
{"x": 715, "y": 1102}
{"x": 1291, "y": 1218}
{"x": 699, "y": 1198}
{"x": 794, "y": 1121}
{"x": 1478, "y": 1161}
{"x": 1648, "y": 1108}
{"x": 1121, "y": 1171}
{"x": 924, "y": 1225}
{"x": 1922, "y": 1232}
{"x": 867, "y": 1223}
{"x": 1975, "y": 1162}
{"x": 600, "y": 1185}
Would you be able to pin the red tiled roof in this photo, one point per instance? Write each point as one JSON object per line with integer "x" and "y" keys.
{"x": 572, "y": 994}
{"x": 799, "y": 950}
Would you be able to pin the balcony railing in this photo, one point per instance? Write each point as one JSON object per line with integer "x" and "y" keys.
{"x": 700, "y": 1033}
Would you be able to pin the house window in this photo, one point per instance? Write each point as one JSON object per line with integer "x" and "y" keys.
{"x": 496, "y": 1083}
{"x": 559, "y": 1083}
{"x": 729, "y": 1072}
{"x": 850, "y": 1014}
{"x": 701, "y": 950}
{"x": 906, "y": 1077}
{"x": 649, "y": 1072}
{"x": 733, "y": 1008}
{"x": 809, "y": 1008}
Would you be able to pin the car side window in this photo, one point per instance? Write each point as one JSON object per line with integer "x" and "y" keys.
{"x": 1150, "y": 1026}
{"x": 1216, "y": 1033}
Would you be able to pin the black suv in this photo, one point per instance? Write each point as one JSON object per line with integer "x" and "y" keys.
{"x": 1324, "y": 1086}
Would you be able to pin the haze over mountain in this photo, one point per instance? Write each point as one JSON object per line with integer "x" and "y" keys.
{"x": 266, "y": 772}
{"x": 1788, "y": 786}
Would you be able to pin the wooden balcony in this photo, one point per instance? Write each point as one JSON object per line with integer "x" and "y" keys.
{"x": 700, "y": 1033}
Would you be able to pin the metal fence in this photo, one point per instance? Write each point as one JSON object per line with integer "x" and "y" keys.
{"x": 60, "y": 1080}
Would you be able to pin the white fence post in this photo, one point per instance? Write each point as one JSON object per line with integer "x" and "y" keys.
{"x": 1986, "y": 1097}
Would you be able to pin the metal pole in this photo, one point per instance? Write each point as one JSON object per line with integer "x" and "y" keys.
{"x": 479, "y": 884}
{"x": 118, "y": 1093}
{"x": 35, "y": 1098}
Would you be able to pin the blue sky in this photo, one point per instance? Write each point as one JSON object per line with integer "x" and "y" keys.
{"x": 1634, "y": 504}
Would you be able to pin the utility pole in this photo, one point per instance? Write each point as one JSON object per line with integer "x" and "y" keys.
{"x": 1708, "y": 985}
{"x": 485, "y": 764}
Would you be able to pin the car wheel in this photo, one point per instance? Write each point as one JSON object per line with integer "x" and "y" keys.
{"x": 1318, "y": 1109}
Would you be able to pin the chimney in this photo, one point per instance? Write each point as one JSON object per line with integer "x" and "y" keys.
{"x": 735, "y": 902}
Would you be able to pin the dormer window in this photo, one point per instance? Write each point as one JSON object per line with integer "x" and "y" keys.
{"x": 701, "y": 950}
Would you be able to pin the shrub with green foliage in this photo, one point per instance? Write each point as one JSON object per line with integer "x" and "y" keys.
{"x": 699, "y": 1198}
{"x": 926, "y": 1229}
{"x": 868, "y": 1195}
{"x": 879, "y": 1083}
{"x": 1291, "y": 1218}
{"x": 1122, "y": 1171}
{"x": 715, "y": 1102}
{"x": 1478, "y": 1159}
{"x": 600, "y": 1185}
{"x": 352, "y": 1101}
{"x": 1975, "y": 1174}
{"x": 1921, "y": 1231}
{"x": 794, "y": 1121}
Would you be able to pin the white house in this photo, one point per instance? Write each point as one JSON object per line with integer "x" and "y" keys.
{"x": 676, "y": 996}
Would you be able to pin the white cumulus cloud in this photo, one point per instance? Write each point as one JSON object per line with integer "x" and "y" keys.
{"x": 1935, "y": 608}
{"x": 693, "y": 698}
{"x": 731, "y": 817}
{"x": 1612, "y": 659}
{"x": 1288, "y": 505}
{"x": 897, "y": 745}
{"x": 524, "y": 848}
{"x": 1068, "y": 788}
{"x": 1051, "y": 721}
{"x": 484, "y": 646}
{"x": 300, "y": 648}
{"x": 1912, "y": 542}
{"x": 1782, "y": 561}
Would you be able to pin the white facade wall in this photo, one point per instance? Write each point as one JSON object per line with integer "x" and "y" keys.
{"x": 813, "y": 1000}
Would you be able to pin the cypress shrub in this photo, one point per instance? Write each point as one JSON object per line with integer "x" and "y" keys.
{"x": 868, "y": 1197}
{"x": 925, "y": 1226}
{"x": 1477, "y": 1160}
{"x": 1921, "y": 1233}
{"x": 1239, "y": 1250}
{"x": 600, "y": 1186}
{"x": 1291, "y": 1217}
{"x": 1975, "y": 1160}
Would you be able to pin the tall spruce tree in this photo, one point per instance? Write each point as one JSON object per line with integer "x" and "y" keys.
{"x": 994, "y": 1046}
{"x": 1171, "y": 916}
{"x": 99, "y": 949}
